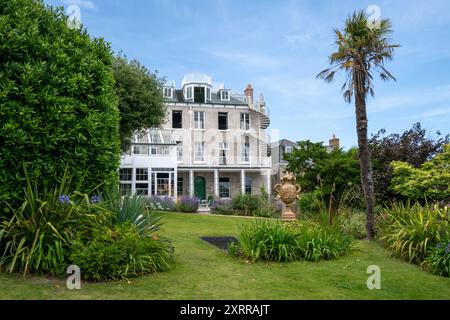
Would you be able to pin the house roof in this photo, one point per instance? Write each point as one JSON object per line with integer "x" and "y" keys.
{"x": 155, "y": 136}
{"x": 284, "y": 143}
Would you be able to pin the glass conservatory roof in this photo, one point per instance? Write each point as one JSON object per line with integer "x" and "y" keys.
{"x": 155, "y": 136}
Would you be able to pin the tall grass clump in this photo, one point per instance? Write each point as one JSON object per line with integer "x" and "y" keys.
{"x": 411, "y": 231}
{"x": 38, "y": 236}
{"x": 269, "y": 240}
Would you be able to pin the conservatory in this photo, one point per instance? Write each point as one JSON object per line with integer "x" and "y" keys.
{"x": 150, "y": 166}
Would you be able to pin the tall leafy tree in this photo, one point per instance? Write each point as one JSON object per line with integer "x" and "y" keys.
{"x": 140, "y": 98}
{"x": 414, "y": 146}
{"x": 363, "y": 47}
{"x": 58, "y": 107}
{"x": 429, "y": 182}
{"x": 317, "y": 169}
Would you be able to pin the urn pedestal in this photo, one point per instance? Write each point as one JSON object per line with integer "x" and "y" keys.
{"x": 288, "y": 191}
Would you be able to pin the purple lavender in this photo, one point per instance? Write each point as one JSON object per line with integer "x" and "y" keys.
{"x": 164, "y": 203}
{"x": 188, "y": 204}
{"x": 64, "y": 198}
{"x": 96, "y": 199}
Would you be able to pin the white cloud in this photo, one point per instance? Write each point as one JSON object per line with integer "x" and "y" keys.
{"x": 248, "y": 59}
{"x": 81, "y": 3}
{"x": 297, "y": 38}
{"x": 413, "y": 98}
{"x": 438, "y": 112}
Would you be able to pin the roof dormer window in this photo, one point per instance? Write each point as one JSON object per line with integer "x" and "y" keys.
{"x": 225, "y": 95}
{"x": 188, "y": 93}
{"x": 168, "y": 92}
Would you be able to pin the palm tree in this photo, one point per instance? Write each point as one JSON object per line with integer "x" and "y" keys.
{"x": 363, "y": 47}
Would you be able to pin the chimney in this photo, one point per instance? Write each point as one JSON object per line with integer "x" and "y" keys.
{"x": 249, "y": 94}
{"x": 334, "y": 142}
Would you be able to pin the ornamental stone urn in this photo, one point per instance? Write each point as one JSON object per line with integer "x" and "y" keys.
{"x": 288, "y": 191}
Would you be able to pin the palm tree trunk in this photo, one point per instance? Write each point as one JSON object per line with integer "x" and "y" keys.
{"x": 365, "y": 162}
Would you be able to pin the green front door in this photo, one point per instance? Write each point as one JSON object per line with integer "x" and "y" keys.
{"x": 200, "y": 188}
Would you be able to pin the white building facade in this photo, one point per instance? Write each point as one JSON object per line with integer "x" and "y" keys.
{"x": 213, "y": 144}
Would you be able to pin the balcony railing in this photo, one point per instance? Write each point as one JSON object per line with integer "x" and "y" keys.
{"x": 229, "y": 161}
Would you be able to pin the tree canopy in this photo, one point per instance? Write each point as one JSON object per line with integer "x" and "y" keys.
{"x": 140, "y": 98}
{"x": 58, "y": 106}
{"x": 431, "y": 181}
{"x": 329, "y": 172}
{"x": 414, "y": 147}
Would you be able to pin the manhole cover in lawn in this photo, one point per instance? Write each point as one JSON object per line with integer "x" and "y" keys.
{"x": 220, "y": 242}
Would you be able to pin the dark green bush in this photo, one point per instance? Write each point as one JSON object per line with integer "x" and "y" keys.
{"x": 121, "y": 252}
{"x": 247, "y": 204}
{"x": 355, "y": 224}
{"x": 438, "y": 259}
{"x": 57, "y": 101}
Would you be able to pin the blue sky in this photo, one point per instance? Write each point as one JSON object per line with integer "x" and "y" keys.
{"x": 279, "y": 47}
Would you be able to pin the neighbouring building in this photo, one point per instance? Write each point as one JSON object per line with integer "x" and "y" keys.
{"x": 214, "y": 143}
{"x": 284, "y": 146}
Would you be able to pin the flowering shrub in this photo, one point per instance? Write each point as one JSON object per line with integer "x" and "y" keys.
{"x": 160, "y": 203}
{"x": 187, "y": 204}
{"x": 222, "y": 206}
{"x": 439, "y": 259}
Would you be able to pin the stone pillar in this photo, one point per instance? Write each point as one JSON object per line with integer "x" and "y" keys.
{"x": 175, "y": 184}
{"x": 268, "y": 183}
{"x": 133, "y": 180}
{"x": 216, "y": 183}
{"x": 191, "y": 183}
{"x": 242, "y": 181}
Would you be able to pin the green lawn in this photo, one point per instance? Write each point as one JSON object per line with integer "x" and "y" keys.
{"x": 202, "y": 271}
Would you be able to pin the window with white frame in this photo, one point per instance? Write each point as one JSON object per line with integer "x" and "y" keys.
{"x": 142, "y": 181}
{"x": 140, "y": 149}
{"x": 142, "y": 189}
{"x": 199, "y": 148}
{"x": 168, "y": 92}
{"x": 199, "y": 120}
{"x": 223, "y": 120}
{"x": 125, "y": 189}
{"x": 180, "y": 151}
{"x": 180, "y": 185}
{"x": 223, "y": 150}
{"x": 245, "y": 150}
{"x": 189, "y": 93}
{"x": 224, "y": 188}
{"x": 125, "y": 177}
{"x": 248, "y": 185}
{"x": 288, "y": 149}
{"x": 141, "y": 174}
{"x": 245, "y": 121}
{"x": 225, "y": 95}
{"x": 126, "y": 174}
